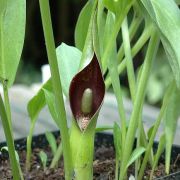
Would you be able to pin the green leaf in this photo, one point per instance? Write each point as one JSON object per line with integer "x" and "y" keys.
{"x": 117, "y": 6}
{"x": 82, "y": 25}
{"x": 12, "y": 31}
{"x": 36, "y": 104}
{"x": 68, "y": 62}
{"x": 2, "y": 8}
{"x": 101, "y": 21}
{"x": 108, "y": 30}
{"x": 43, "y": 158}
{"x": 117, "y": 140}
{"x": 170, "y": 123}
{"x": 50, "y": 101}
{"x": 166, "y": 17}
{"x": 52, "y": 142}
{"x": 150, "y": 130}
{"x": 136, "y": 154}
{"x": 6, "y": 149}
{"x": 160, "y": 150}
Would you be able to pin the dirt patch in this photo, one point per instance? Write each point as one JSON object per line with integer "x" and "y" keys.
{"x": 103, "y": 165}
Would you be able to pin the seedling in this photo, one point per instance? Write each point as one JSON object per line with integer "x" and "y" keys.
{"x": 43, "y": 158}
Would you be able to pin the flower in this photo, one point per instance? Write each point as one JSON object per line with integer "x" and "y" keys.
{"x": 86, "y": 93}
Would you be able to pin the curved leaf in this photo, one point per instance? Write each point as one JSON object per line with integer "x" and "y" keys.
{"x": 89, "y": 78}
{"x": 12, "y": 31}
{"x": 166, "y": 17}
{"x": 136, "y": 154}
{"x": 36, "y": 104}
{"x": 170, "y": 123}
{"x": 68, "y": 63}
{"x": 117, "y": 135}
{"x": 82, "y": 25}
{"x": 52, "y": 142}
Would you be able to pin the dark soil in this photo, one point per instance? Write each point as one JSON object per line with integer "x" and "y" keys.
{"x": 104, "y": 162}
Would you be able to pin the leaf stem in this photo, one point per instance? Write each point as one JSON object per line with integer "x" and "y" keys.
{"x": 129, "y": 61}
{"x": 57, "y": 156}
{"x": 132, "y": 30}
{"x": 135, "y": 49}
{"x": 28, "y": 144}
{"x": 113, "y": 71}
{"x": 7, "y": 103}
{"x": 10, "y": 142}
{"x": 151, "y": 52}
{"x": 156, "y": 126}
{"x": 112, "y": 39}
{"x": 56, "y": 82}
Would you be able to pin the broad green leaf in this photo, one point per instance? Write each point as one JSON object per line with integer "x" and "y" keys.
{"x": 6, "y": 149}
{"x": 12, "y": 31}
{"x": 68, "y": 62}
{"x": 36, "y": 104}
{"x": 166, "y": 17}
{"x": 43, "y": 158}
{"x": 117, "y": 140}
{"x": 50, "y": 101}
{"x": 82, "y": 25}
{"x": 170, "y": 123}
{"x": 136, "y": 154}
{"x": 52, "y": 142}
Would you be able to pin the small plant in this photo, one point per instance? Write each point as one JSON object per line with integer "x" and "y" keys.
{"x": 43, "y": 157}
{"x": 83, "y": 73}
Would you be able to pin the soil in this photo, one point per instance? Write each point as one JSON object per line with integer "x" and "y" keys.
{"x": 104, "y": 162}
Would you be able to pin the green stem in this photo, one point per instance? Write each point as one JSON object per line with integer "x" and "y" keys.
{"x": 7, "y": 104}
{"x": 57, "y": 157}
{"x": 57, "y": 88}
{"x": 82, "y": 146}
{"x": 151, "y": 52}
{"x": 113, "y": 71}
{"x": 10, "y": 142}
{"x": 117, "y": 168}
{"x": 128, "y": 56}
{"x": 156, "y": 126}
{"x": 111, "y": 41}
{"x": 28, "y": 144}
{"x": 136, "y": 48}
{"x": 132, "y": 30}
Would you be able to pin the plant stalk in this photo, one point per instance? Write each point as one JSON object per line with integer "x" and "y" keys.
{"x": 132, "y": 30}
{"x": 156, "y": 126}
{"x": 10, "y": 142}
{"x": 129, "y": 60}
{"x": 151, "y": 52}
{"x": 57, "y": 88}
{"x": 7, "y": 104}
{"x": 135, "y": 49}
{"x": 29, "y": 148}
{"x": 82, "y": 146}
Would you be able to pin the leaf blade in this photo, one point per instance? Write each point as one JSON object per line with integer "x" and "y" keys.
{"x": 12, "y": 28}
